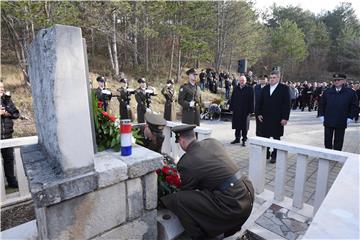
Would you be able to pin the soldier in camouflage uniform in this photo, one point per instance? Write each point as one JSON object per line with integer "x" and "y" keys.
{"x": 190, "y": 99}
{"x": 169, "y": 94}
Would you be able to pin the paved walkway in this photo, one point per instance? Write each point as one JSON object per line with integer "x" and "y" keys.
{"x": 302, "y": 128}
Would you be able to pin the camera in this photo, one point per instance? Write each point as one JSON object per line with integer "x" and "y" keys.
{"x": 148, "y": 94}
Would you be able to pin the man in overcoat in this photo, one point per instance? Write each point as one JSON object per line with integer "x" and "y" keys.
{"x": 170, "y": 107}
{"x": 262, "y": 81}
{"x": 337, "y": 109}
{"x": 273, "y": 110}
{"x": 190, "y": 99}
{"x": 242, "y": 105}
{"x": 215, "y": 198}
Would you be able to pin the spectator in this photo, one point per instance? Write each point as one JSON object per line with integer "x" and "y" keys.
{"x": 8, "y": 113}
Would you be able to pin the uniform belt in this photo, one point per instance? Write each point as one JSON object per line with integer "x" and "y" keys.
{"x": 230, "y": 181}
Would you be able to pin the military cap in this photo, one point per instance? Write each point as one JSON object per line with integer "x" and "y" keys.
{"x": 155, "y": 122}
{"x": 191, "y": 71}
{"x": 170, "y": 81}
{"x": 178, "y": 130}
{"x": 101, "y": 79}
{"x": 141, "y": 80}
{"x": 123, "y": 80}
{"x": 339, "y": 76}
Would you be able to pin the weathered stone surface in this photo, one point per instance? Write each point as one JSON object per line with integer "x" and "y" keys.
{"x": 48, "y": 183}
{"x": 110, "y": 168}
{"x": 168, "y": 229}
{"x": 135, "y": 203}
{"x": 142, "y": 161}
{"x": 143, "y": 228}
{"x": 57, "y": 73}
{"x": 150, "y": 190}
{"x": 88, "y": 215}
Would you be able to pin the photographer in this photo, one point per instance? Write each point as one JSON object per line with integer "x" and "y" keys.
{"x": 8, "y": 113}
{"x": 103, "y": 95}
{"x": 124, "y": 99}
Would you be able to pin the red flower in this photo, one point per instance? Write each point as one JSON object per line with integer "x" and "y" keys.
{"x": 158, "y": 171}
{"x": 112, "y": 118}
{"x": 105, "y": 114}
{"x": 177, "y": 181}
{"x": 170, "y": 180}
{"x": 100, "y": 104}
{"x": 166, "y": 170}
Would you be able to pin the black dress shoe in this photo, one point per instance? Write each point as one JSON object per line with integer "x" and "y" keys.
{"x": 243, "y": 144}
{"x": 267, "y": 155}
{"x": 273, "y": 160}
{"x": 235, "y": 141}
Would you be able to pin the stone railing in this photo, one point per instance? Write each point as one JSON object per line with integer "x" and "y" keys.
{"x": 173, "y": 149}
{"x": 336, "y": 213}
{"x": 23, "y": 194}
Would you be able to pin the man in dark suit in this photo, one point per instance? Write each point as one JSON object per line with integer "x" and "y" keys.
{"x": 262, "y": 81}
{"x": 273, "y": 110}
{"x": 214, "y": 198}
{"x": 242, "y": 105}
{"x": 337, "y": 109}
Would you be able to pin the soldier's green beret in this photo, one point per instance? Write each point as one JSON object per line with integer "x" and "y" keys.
{"x": 178, "y": 130}
{"x": 155, "y": 122}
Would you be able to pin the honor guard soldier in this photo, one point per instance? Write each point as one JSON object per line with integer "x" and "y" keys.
{"x": 153, "y": 131}
{"x": 140, "y": 96}
{"x": 190, "y": 99}
{"x": 103, "y": 95}
{"x": 124, "y": 99}
{"x": 170, "y": 107}
{"x": 215, "y": 199}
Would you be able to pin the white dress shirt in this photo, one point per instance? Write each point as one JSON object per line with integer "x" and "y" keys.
{"x": 272, "y": 88}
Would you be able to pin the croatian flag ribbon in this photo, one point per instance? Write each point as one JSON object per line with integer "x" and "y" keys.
{"x": 125, "y": 130}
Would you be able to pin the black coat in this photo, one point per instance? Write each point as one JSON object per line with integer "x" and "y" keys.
{"x": 336, "y": 107}
{"x": 203, "y": 210}
{"x": 242, "y": 104}
{"x": 7, "y": 124}
{"x": 274, "y": 108}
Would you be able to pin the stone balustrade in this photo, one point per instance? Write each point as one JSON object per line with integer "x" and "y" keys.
{"x": 23, "y": 194}
{"x": 335, "y": 213}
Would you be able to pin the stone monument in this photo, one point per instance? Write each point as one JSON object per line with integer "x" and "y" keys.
{"x": 78, "y": 194}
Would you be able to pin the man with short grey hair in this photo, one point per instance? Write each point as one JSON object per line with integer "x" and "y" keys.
{"x": 273, "y": 110}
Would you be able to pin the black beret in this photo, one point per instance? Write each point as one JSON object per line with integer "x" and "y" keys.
{"x": 123, "y": 80}
{"x": 101, "y": 79}
{"x": 171, "y": 81}
{"x": 191, "y": 71}
{"x": 141, "y": 80}
{"x": 339, "y": 76}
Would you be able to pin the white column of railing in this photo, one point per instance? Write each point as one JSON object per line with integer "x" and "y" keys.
{"x": 300, "y": 178}
{"x": 16, "y": 143}
{"x": 202, "y": 133}
{"x": 281, "y": 163}
{"x": 257, "y": 167}
{"x": 321, "y": 183}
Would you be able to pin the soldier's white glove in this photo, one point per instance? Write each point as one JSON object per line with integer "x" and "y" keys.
{"x": 192, "y": 104}
{"x": 128, "y": 107}
{"x": 322, "y": 119}
{"x": 148, "y": 110}
{"x": 349, "y": 120}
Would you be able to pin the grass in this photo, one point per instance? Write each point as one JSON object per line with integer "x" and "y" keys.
{"x": 21, "y": 95}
